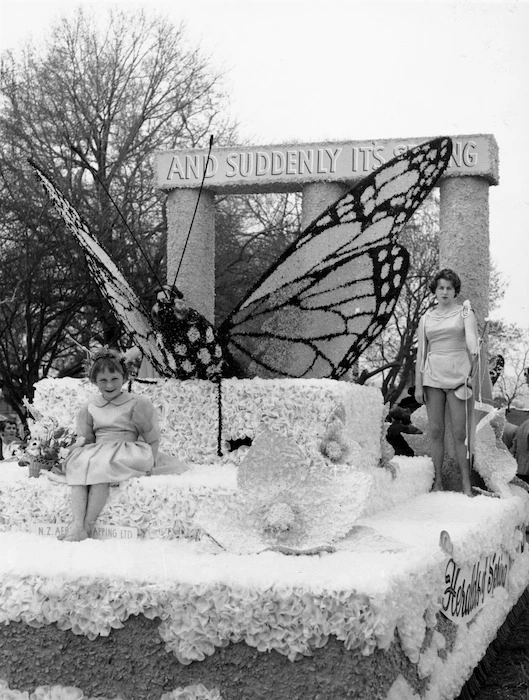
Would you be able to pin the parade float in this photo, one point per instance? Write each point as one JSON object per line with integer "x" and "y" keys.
{"x": 297, "y": 557}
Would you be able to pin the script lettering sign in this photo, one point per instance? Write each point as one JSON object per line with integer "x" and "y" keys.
{"x": 468, "y": 586}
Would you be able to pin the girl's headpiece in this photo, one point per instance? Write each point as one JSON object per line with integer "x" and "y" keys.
{"x": 106, "y": 357}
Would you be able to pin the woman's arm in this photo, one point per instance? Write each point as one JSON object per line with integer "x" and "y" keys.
{"x": 471, "y": 329}
{"x": 419, "y": 391}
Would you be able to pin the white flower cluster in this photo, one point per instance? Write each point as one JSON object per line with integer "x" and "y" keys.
{"x": 159, "y": 507}
{"x": 60, "y": 692}
{"x": 199, "y": 617}
{"x": 188, "y": 411}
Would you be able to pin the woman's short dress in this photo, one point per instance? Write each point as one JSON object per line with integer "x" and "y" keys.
{"x": 117, "y": 434}
{"x": 446, "y": 363}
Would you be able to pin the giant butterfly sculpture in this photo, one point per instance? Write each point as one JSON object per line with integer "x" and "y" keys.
{"x": 324, "y": 300}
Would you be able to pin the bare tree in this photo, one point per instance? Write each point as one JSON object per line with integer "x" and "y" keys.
{"x": 91, "y": 108}
{"x": 251, "y": 233}
{"x": 394, "y": 351}
{"x": 510, "y": 341}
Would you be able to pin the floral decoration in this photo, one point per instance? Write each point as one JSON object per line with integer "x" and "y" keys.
{"x": 197, "y": 619}
{"x": 158, "y": 506}
{"x": 493, "y": 461}
{"x": 334, "y": 446}
{"x": 300, "y": 409}
{"x": 60, "y": 692}
{"x": 286, "y": 500}
{"x": 205, "y": 603}
{"x": 49, "y": 441}
{"x": 167, "y": 506}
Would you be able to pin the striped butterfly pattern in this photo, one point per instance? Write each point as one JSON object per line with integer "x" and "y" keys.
{"x": 496, "y": 367}
{"x": 333, "y": 290}
{"x": 124, "y": 301}
{"x": 324, "y": 300}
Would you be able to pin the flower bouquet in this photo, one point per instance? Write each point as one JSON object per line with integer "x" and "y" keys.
{"x": 48, "y": 446}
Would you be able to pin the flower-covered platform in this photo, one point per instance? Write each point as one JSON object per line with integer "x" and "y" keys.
{"x": 389, "y": 614}
{"x": 387, "y": 592}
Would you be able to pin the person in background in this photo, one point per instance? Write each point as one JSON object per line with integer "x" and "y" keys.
{"x": 9, "y": 439}
{"x": 509, "y": 435}
{"x": 408, "y": 402}
{"x": 448, "y": 344}
{"x": 520, "y": 450}
{"x": 401, "y": 423}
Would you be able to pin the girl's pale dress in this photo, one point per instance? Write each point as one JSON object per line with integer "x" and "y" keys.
{"x": 446, "y": 363}
{"x": 117, "y": 434}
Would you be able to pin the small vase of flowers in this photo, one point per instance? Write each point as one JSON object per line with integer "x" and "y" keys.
{"x": 48, "y": 446}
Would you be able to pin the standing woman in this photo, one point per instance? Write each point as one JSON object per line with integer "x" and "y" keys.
{"x": 448, "y": 344}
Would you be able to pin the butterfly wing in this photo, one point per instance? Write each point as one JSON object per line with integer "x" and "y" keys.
{"x": 114, "y": 287}
{"x": 317, "y": 327}
{"x": 496, "y": 366}
{"x": 327, "y": 297}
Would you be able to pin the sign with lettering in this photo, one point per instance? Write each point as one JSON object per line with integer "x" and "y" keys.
{"x": 468, "y": 586}
{"x": 283, "y": 168}
{"x": 100, "y": 532}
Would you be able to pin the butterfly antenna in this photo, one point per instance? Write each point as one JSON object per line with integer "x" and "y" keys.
{"x": 195, "y": 212}
{"x": 86, "y": 350}
{"x": 134, "y": 237}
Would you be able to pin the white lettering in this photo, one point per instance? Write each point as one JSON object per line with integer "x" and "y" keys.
{"x": 278, "y": 162}
{"x": 175, "y": 169}
{"x": 470, "y": 157}
{"x": 333, "y": 155}
{"x": 306, "y": 161}
{"x": 245, "y": 163}
{"x": 192, "y": 167}
{"x": 400, "y": 149}
{"x": 377, "y": 156}
{"x": 231, "y": 162}
{"x": 292, "y": 162}
{"x": 262, "y": 164}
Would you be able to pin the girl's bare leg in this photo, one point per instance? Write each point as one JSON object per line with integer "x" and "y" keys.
{"x": 435, "y": 408}
{"x": 77, "y": 532}
{"x": 458, "y": 418}
{"x": 97, "y": 497}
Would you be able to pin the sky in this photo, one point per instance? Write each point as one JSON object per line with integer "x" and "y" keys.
{"x": 305, "y": 71}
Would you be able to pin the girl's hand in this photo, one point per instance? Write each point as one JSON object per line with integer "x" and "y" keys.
{"x": 419, "y": 395}
{"x": 78, "y": 443}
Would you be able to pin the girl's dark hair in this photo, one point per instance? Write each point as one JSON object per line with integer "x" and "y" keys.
{"x": 107, "y": 359}
{"x": 448, "y": 275}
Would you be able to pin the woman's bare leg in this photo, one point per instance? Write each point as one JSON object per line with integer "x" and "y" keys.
{"x": 435, "y": 408}
{"x": 97, "y": 497}
{"x": 458, "y": 419}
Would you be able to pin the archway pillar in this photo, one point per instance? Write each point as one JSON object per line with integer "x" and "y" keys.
{"x": 464, "y": 247}
{"x": 464, "y": 237}
{"x": 196, "y": 268}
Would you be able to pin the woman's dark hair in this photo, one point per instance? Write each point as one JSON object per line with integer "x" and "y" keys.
{"x": 107, "y": 359}
{"x": 448, "y": 275}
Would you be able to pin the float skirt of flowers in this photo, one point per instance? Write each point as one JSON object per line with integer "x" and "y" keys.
{"x": 369, "y": 618}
